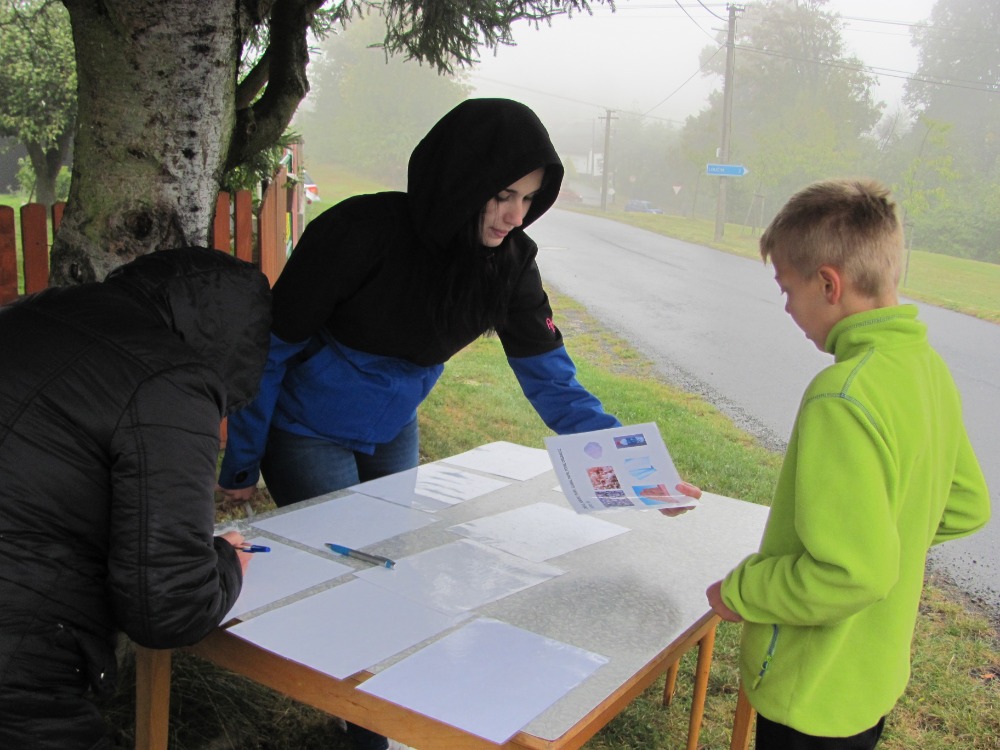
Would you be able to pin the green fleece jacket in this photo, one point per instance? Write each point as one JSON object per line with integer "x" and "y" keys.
{"x": 878, "y": 469}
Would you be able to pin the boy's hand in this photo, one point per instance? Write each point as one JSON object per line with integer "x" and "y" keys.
{"x": 714, "y": 594}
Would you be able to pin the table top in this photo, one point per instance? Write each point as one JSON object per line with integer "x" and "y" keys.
{"x": 626, "y": 598}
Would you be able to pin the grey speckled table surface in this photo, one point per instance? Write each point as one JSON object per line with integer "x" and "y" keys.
{"x": 627, "y": 598}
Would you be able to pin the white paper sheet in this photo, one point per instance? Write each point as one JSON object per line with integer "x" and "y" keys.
{"x": 429, "y": 487}
{"x": 460, "y": 576}
{"x": 505, "y": 460}
{"x": 487, "y": 678}
{"x": 352, "y": 520}
{"x": 621, "y": 467}
{"x": 538, "y": 532}
{"x": 282, "y": 572}
{"x": 345, "y": 629}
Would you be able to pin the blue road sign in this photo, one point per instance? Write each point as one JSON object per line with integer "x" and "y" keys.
{"x": 726, "y": 170}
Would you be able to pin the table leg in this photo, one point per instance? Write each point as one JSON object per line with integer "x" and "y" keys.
{"x": 152, "y": 698}
{"x": 742, "y": 722}
{"x": 705, "y": 648}
{"x": 670, "y": 686}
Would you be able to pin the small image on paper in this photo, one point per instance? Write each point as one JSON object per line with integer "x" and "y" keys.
{"x": 630, "y": 441}
{"x": 654, "y": 494}
{"x": 613, "y": 498}
{"x": 603, "y": 478}
{"x": 639, "y": 467}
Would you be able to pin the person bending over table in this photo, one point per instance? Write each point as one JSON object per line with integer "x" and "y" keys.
{"x": 112, "y": 396}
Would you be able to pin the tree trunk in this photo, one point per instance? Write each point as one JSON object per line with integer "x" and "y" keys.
{"x": 157, "y": 84}
{"x": 46, "y": 164}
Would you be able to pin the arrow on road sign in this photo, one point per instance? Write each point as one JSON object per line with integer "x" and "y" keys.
{"x": 726, "y": 170}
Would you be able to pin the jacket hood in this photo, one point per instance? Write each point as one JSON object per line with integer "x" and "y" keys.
{"x": 476, "y": 150}
{"x": 216, "y": 304}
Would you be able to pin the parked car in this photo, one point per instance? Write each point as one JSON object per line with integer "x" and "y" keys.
{"x": 642, "y": 207}
{"x": 569, "y": 196}
{"x": 309, "y": 188}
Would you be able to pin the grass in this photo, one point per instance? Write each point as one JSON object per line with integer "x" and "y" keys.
{"x": 478, "y": 401}
{"x": 14, "y": 201}
{"x": 966, "y": 286}
{"x": 335, "y": 184}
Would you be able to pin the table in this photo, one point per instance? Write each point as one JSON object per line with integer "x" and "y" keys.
{"x": 637, "y": 598}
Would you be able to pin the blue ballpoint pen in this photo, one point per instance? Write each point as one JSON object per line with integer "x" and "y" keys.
{"x": 252, "y": 548}
{"x": 374, "y": 559}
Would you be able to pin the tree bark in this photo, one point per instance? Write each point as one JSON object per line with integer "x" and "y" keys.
{"x": 157, "y": 84}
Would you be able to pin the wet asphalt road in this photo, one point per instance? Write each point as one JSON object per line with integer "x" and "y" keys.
{"x": 714, "y": 324}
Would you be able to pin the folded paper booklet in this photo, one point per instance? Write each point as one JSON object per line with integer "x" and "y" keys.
{"x": 623, "y": 467}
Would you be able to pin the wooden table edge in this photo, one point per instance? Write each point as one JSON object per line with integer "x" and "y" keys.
{"x": 340, "y": 698}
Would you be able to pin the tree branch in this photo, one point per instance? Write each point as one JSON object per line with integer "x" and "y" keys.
{"x": 260, "y": 125}
{"x": 253, "y": 82}
{"x": 443, "y": 32}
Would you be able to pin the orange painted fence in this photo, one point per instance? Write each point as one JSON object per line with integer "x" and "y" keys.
{"x": 279, "y": 223}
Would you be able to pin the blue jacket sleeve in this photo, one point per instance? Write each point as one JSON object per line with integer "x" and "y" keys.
{"x": 549, "y": 383}
{"x": 248, "y": 427}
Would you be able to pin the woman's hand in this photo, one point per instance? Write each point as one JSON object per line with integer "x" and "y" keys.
{"x": 240, "y": 495}
{"x": 685, "y": 489}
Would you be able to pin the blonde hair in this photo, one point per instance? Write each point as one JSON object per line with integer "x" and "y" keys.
{"x": 848, "y": 224}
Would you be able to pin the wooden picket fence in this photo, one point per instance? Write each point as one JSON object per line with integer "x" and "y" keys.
{"x": 279, "y": 224}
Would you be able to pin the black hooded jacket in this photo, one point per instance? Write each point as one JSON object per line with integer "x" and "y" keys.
{"x": 358, "y": 340}
{"x": 367, "y": 260}
{"x": 111, "y": 395}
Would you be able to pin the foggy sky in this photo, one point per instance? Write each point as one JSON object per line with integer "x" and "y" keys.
{"x": 644, "y": 57}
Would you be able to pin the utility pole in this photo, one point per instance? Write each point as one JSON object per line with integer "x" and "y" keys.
{"x": 727, "y": 117}
{"x": 608, "y": 117}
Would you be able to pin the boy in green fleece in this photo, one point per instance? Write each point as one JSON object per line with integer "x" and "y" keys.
{"x": 878, "y": 469}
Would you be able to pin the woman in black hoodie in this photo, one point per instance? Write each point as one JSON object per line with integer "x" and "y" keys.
{"x": 383, "y": 289}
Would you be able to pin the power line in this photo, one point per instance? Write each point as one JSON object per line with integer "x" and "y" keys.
{"x": 694, "y": 21}
{"x": 700, "y": 69}
{"x": 925, "y": 26}
{"x": 888, "y": 72}
{"x": 580, "y": 101}
{"x": 721, "y": 18}
{"x": 910, "y": 24}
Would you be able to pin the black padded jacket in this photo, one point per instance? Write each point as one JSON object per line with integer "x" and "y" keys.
{"x": 111, "y": 395}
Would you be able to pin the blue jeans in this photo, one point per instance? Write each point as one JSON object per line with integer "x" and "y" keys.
{"x": 298, "y": 468}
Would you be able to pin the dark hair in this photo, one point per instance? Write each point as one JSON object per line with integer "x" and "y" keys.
{"x": 473, "y": 283}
